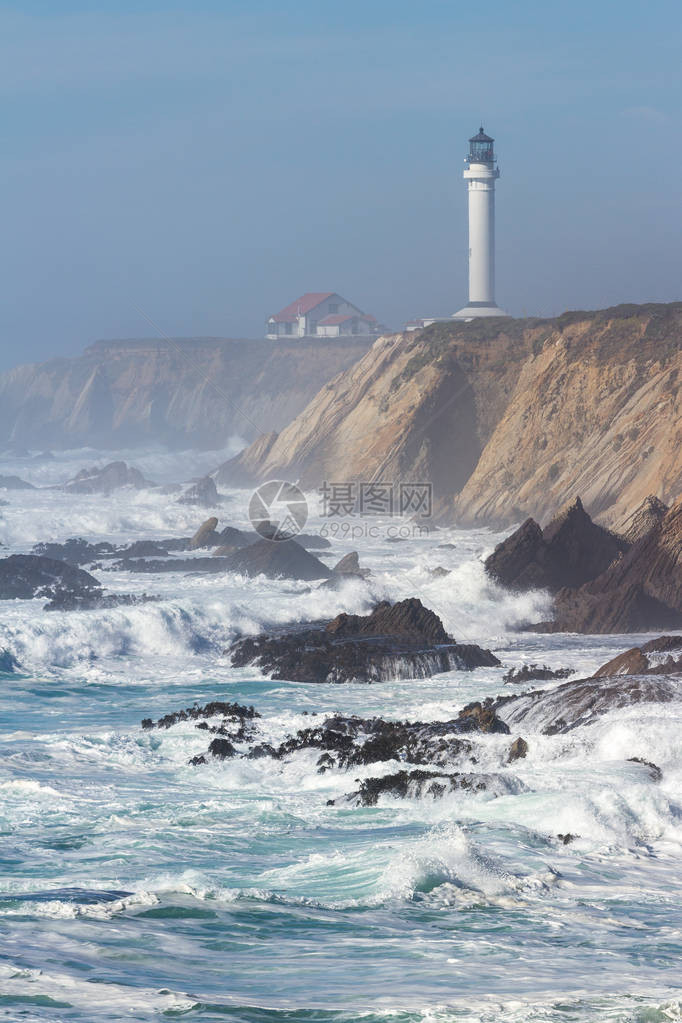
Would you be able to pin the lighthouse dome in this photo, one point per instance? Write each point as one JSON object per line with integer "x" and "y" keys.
{"x": 481, "y": 148}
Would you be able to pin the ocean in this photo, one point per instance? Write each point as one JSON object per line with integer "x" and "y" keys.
{"x": 137, "y": 887}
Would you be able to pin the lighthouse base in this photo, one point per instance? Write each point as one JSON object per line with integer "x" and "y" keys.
{"x": 476, "y": 309}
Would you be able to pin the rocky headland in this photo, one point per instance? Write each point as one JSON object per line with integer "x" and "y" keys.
{"x": 196, "y": 392}
{"x": 507, "y": 420}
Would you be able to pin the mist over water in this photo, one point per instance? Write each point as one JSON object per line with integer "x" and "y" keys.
{"x": 134, "y": 886}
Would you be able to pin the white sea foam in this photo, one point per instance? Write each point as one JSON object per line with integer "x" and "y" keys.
{"x": 133, "y": 875}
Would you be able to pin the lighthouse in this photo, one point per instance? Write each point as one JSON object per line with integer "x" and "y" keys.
{"x": 481, "y": 173}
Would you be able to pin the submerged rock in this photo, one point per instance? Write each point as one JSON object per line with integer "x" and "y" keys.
{"x": 570, "y": 551}
{"x": 403, "y": 640}
{"x": 229, "y": 712}
{"x": 535, "y": 673}
{"x": 413, "y": 785}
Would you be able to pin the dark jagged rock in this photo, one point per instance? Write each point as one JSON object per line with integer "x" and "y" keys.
{"x": 348, "y": 742}
{"x": 658, "y": 657}
{"x": 278, "y": 559}
{"x": 75, "y": 551}
{"x": 407, "y": 618}
{"x": 647, "y": 517}
{"x": 413, "y": 785}
{"x": 583, "y": 701}
{"x": 228, "y": 711}
{"x": 519, "y": 749}
{"x": 8, "y": 663}
{"x": 535, "y": 673}
{"x": 202, "y": 494}
{"x": 105, "y": 481}
{"x": 439, "y": 572}
{"x": 14, "y": 483}
{"x": 25, "y": 576}
{"x": 567, "y": 838}
{"x": 640, "y": 592}
{"x": 404, "y": 640}
{"x": 570, "y": 551}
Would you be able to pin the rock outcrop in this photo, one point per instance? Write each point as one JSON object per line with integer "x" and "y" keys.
{"x": 284, "y": 559}
{"x": 25, "y": 576}
{"x": 584, "y": 701}
{"x": 106, "y": 480}
{"x": 75, "y": 551}
{"x": 345, "y": 743}
{"x": 661, "y": 656}
{"x": 535, "y": 673}
{"x": 640, "y": 592}
{"x": 206, "y": 535}
{"x": 403, "y": 640}
{"x": 570, "y": 551}
{"x": 203, "y": 494}
{"x": 644, "y": 520}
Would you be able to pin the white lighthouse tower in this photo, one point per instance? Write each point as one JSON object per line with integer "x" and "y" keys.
{"x": 481, "y": 174}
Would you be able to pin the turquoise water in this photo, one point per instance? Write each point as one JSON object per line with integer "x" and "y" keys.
{"x": 136, "y": 887}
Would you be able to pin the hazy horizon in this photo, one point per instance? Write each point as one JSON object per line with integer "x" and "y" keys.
{"x": 206, "y": 166}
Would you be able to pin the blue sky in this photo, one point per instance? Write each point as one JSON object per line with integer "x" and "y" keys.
{"x": 207, "y": 162}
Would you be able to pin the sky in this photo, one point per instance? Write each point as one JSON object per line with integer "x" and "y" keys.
{"x": 201, "y": 164}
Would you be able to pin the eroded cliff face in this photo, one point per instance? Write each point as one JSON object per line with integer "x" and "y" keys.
{"x": 136, "y": 392}
{"x": 507, "y": 419}
{"x": 415, "y": 408}
{"x": 596, "y": 413}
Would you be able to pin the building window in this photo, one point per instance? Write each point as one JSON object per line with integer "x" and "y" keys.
{"x": 333, "y": 307}
{"x": 289, "y": 328}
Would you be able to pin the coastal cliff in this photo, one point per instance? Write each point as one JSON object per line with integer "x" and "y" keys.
{"x": 191, "y": 392}
{"x": 507, "y": 419}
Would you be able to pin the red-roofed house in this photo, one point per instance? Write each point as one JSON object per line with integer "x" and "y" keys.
{"x": 321, "y": 314}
